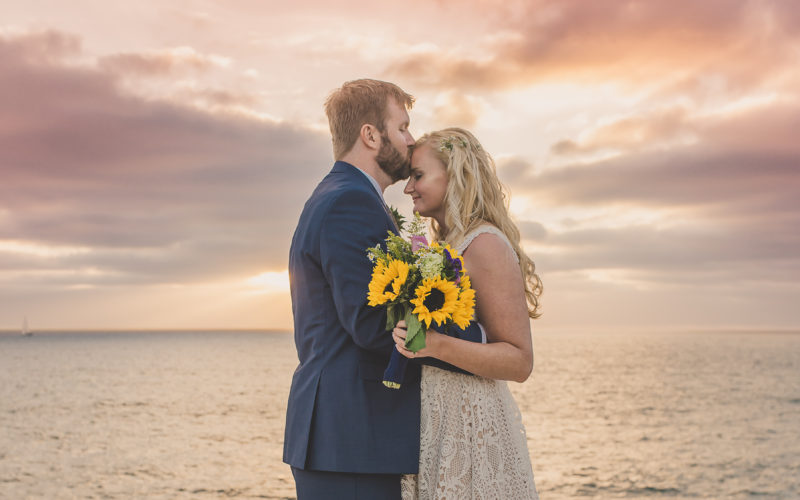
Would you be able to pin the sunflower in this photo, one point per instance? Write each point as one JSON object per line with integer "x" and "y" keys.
{"x": 435, "y": 300}
{"x": 386, "y": 281}
{"x": 465, "y": 307}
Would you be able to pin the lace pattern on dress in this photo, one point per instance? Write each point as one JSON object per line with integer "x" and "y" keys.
{"x": 473, "y": 443}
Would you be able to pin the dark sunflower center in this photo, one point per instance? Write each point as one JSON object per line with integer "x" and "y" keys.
{"x": 388, "y": 287}
{"x": 435, "y": 300}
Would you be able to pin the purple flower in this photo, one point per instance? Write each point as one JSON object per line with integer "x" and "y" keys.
{"x": 455, "y": 265}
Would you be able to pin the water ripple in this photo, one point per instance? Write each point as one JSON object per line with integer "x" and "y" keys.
{"x": 201, "y": 415}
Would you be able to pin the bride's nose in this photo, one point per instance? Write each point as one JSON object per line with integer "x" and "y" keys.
{"x": 409, "y": 187}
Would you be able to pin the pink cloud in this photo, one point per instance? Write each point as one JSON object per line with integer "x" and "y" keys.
{"x": 158, "y": 191}
{"x": 634, "y": 43}
{"x": 161, "y": 63}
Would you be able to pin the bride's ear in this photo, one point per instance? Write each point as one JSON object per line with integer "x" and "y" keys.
{"x": 370, "y": 136}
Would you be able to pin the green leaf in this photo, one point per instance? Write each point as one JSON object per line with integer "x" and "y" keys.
{"x": 392, "y": 317}
{"x": 398, "y": 218}
{"x": 415, "y": 338}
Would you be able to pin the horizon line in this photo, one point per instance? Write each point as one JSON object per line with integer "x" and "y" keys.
{"x": 552, "y": 329}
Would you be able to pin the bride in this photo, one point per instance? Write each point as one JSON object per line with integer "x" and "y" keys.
{"x": 473, "y": 443}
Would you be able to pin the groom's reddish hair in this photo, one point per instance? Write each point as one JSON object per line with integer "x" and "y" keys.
{"x": 358, "y": 102}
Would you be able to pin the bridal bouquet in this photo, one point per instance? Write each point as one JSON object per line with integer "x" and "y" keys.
{"x": 421, "y": 284}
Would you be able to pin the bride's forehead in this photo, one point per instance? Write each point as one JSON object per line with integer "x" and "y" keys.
{"x": 426, "y": 161}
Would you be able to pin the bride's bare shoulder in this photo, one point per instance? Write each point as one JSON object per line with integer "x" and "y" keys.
{"x": 489, "y": 250}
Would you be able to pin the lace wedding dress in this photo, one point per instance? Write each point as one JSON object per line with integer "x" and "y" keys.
{"x": 472, "y": 442}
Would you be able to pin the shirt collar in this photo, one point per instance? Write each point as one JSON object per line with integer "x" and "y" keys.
{"x": 373, "y": 182}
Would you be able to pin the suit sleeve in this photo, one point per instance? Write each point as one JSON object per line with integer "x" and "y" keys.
{"x": 354, "y": 223}
{"x": 472, "y": 334}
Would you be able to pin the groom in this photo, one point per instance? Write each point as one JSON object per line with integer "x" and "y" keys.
{"x": 347, "y": 435}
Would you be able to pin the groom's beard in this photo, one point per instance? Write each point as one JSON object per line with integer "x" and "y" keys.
{"x": 391, "y": 161}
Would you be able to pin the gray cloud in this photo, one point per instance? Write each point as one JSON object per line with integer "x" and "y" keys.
{"x": 730, "y": 203}
{"x": 159, "y": 192}
{"x": 158, "y": 63}
{"x": 747, "y": 160}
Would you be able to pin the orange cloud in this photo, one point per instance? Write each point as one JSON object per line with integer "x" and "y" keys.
{"x": 633, "y": 42}
{"x": 457, "y": 110}
{"x": 643, "y": 131}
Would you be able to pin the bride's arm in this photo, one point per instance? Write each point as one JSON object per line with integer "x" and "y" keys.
{"x": 502, "y": 310}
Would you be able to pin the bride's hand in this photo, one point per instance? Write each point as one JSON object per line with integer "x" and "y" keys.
{"x": 399, "y": 336}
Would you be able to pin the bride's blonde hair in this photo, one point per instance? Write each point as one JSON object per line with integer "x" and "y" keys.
{"x": 475, "y": 196}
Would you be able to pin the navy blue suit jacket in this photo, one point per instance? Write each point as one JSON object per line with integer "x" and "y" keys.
{"x": 340, "y": 417}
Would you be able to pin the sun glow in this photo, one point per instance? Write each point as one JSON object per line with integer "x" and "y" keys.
{"x": 38, "y": 250}
{"x": 270, "y": 282}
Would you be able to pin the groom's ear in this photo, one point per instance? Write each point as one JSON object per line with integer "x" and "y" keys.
{"x": 370, "y": 136}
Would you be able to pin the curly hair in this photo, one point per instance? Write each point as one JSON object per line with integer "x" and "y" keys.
{"x": 475, "y": 196}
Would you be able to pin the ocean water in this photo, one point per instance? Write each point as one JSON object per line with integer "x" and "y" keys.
{"x": 201, "y": 414}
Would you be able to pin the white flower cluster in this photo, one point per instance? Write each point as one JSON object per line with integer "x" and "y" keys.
{"x": 431, "y": 264}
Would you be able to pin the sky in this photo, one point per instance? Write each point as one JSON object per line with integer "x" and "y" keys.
{"x": 155, "y": 155}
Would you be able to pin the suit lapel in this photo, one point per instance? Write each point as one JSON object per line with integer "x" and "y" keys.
{"x": 391, "y": 217}
{"x": 360, "y": 177}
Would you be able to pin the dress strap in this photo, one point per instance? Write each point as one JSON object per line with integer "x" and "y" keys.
{"x": 485, "y": 228}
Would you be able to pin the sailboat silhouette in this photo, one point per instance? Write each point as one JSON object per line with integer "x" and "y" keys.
{"x": 25, "y": 330}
